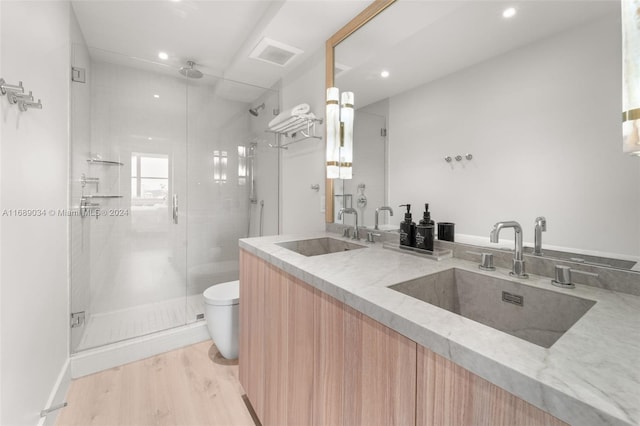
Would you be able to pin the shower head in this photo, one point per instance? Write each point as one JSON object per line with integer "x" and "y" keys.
{"x": 189, "y": 71}
{"x": 254, "y": 111}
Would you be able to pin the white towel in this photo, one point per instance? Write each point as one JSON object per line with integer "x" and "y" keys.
{"x": 297, "y": 122}
{"x": 286, "y": 115}
{"x": 278, "y": 127}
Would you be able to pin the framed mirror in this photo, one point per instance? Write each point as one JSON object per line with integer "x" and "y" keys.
{"x": 526, "y": 107}
{"x": 356, "y": 23}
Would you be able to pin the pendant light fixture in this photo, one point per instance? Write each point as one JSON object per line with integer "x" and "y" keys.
{"x": 339, "y": 134}
{"x": 631, "y": 76}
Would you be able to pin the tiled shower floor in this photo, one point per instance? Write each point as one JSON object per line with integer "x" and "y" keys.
{"x": 109, "y": 327}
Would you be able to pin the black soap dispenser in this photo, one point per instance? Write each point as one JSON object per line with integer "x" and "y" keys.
{"x": 425, "y": 231}
{"x": 407, "y": 229}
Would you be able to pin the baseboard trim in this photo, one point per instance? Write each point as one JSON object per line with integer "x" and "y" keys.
{"x": 100, "y": 359}
{"x": 58, "y": 394}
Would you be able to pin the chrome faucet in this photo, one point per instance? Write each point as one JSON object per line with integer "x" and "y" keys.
{"x": 518, "y": 261}
{"x": 541, "y": 226}
{"x": 355, "y": 235}
{"x": 378, "y": 210}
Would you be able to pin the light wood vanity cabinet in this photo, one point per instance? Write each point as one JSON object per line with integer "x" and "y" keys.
{"x": 364, "y": 372}
{"x": 253, "y": 278}
{"x": 448, "y": 394}
{"x": 308, "y": 359}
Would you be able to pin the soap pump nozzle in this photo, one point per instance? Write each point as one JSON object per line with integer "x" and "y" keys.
{"x": 407, "y": 215}
{"x": 426, "y": 216}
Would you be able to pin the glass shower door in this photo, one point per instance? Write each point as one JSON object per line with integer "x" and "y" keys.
{"x": 128, "y": 179}
{"x": 180, "y": 171}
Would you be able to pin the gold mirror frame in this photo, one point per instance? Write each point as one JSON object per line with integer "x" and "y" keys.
{"x": 362, "y": 18}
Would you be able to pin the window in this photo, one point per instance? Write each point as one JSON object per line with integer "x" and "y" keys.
{"x": 242, "y": 165}
{"x": 220, "y": 166}
{"x": 149, "y": 178}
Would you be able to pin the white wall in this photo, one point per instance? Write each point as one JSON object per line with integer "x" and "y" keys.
{"x": 303, "y": 163}
{"x": 34, "y": 319}
{"x": 266, "y": 168}
{"x": 558, "y": 156}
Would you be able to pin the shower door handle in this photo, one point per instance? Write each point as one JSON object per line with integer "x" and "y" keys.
{"x": 174, "y": 208}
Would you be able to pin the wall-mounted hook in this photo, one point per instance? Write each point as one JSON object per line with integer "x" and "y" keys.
{"x": 448, "y": 158}
{"x": 25, "y": 105}
{"x": 15, "y": 97}
{"x": 5, "y": 87}
{"x": 315, "y": 187}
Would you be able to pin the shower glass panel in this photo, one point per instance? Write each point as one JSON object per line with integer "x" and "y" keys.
{"x": 224, "y": 158}
{"x": 172, "y": 160}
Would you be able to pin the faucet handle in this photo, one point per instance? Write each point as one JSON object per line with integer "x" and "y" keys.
{"x": 541, "y": 221}
{"x": 563, "y": 277}
{"x": 371, "y": 236}
{"x": 346, "y": 232}
{"x": 486, "y": 262}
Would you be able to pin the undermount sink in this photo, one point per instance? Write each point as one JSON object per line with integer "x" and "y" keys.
{"x": 318, "y": 246}
{"x": 536, "y": 315}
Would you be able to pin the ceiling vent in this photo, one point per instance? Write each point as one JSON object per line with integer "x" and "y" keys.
{"x": 274, "y": 52}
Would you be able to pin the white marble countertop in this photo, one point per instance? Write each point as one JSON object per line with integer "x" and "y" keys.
{"x": 590, "y": 376}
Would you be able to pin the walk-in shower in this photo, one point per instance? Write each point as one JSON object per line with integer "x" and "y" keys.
{"x": 167, "y": 159}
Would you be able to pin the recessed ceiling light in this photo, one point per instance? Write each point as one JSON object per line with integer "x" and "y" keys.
{"x": 384, "y": 74}
{"x": 149, "y": 138}
{"x": 509, "y": 13}
{"x": 156, "y": 96}
{"x": 163, "y": 55}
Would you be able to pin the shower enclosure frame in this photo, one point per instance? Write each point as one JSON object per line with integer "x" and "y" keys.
{"x": 190, "y": 211}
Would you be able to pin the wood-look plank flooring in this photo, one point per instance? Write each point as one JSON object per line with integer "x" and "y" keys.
{"x": 188, "y": 386}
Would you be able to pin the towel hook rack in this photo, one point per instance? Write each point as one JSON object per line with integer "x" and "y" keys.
{"x": 16, "y": 95}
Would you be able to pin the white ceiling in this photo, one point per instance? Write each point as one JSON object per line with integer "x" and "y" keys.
{"x": 421, "y": 41}
{"x": 218, "y": 35}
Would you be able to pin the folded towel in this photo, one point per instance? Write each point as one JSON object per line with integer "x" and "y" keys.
{"x": 286, "y": 115}
{"x": 297, "y": 122}
{"x": 278, "y": 127}
{"x": 294, "y": 121}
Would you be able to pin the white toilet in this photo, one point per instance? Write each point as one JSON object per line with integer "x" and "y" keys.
{"x": 221, "y": 312}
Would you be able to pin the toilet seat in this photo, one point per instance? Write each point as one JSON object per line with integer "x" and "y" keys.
{"x": 223, "y": 294}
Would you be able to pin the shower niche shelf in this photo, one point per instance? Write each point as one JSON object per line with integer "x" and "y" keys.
{"x": 98, "y": 161}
